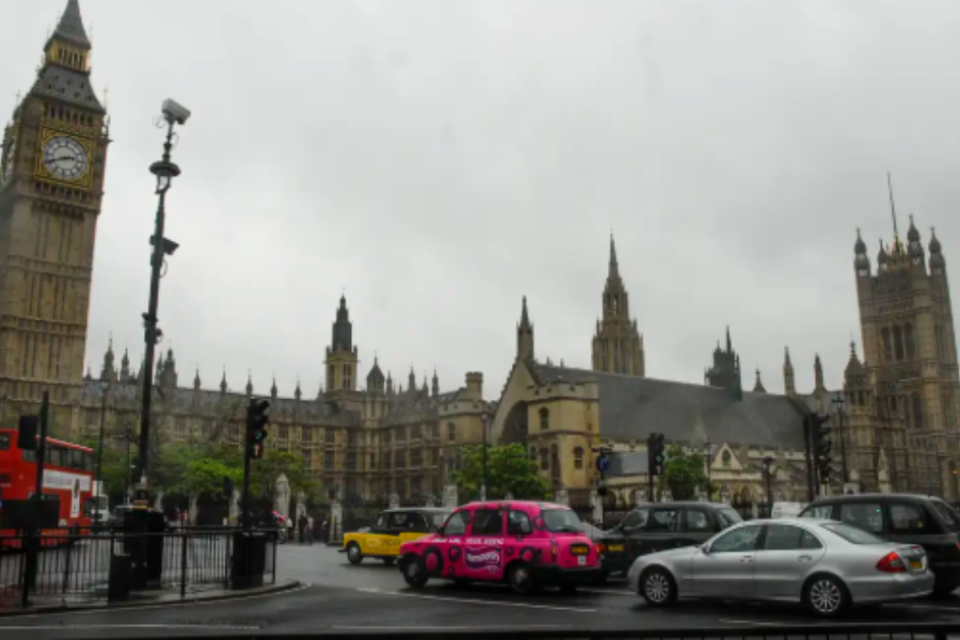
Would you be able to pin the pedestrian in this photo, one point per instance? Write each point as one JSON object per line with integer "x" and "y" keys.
{"x": 310, "y": 530}
{"x": 302, "y": 526}
{"x": 325, "y": 531}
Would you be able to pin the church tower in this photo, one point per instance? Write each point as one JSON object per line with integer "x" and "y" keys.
{"x": 617, "y": 345}
{"x": 725, "y": 372}
{"x": 909, "y": 343}
{"x": 51, "y": 188}
{"x": 342, "y": 354}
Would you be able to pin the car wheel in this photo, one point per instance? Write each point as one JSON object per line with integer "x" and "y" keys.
{"x": 521, "y": 579}
{"x": 353, "y": 553}
{"x": 658, "y": 587}
{"x": 414, "y": 573}
{"x": 825, "y": 596}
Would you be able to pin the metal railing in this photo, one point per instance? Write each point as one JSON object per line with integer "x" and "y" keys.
{"x": 837, "y": 631}
{"x": 75, "y": 568}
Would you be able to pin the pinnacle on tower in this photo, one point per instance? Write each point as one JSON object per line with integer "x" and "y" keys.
{"x": 70, "y": 27}
{"x": 614, "y": 268}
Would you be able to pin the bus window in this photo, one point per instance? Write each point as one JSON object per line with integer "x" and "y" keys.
{"x": 4, "y": 441}
{"x": 76, "y": 459}
{"x": 29, "y": 456}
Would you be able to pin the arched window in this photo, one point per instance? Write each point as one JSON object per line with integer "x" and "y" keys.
{"x": 917, "y": 406}
{"x": 544, "y": 459}
{"x": 908, "y": 338}
{"x": 451, "y": 432}
{"x": 887, "y": 347}
{"x": 898, "y": 342}
{"x": 533, "y": 453}
{"x": 578, "y": 458}
{"x": 555, "y": 462}
{"x": 544, "y": 419}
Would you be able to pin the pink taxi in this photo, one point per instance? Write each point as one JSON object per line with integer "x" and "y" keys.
{"x": 525, "y": 544}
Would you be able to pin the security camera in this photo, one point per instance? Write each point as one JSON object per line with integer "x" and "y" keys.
{"x": 173, "y": 111}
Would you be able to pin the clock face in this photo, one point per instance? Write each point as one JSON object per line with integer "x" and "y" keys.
{"x": 65, "y": 158}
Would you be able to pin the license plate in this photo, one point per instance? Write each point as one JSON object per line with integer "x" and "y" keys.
{"x": 615, "y": 547}
{"x": 582, "y": 561}
{"x": 916, "y": 564}
{"x": 579, "y": 549}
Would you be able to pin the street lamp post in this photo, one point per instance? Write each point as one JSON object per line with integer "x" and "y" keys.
{"x": 165, "y": 171}
{"x": 483, "y": 484}
{"x": 767, "y": 462}
{"x": 707, "y": 457}
{"x": 104, "y": 389}
{"x": 838, "y": 405}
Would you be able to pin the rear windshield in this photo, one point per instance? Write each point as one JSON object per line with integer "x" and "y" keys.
{"x": 561, "y": 521}
{"x": 852, "y": 534}
{"x": 729, "y": 516}
{"x": 949, "y": 515}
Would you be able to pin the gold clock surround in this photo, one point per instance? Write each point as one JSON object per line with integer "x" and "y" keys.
{"x": 40, "y": 171}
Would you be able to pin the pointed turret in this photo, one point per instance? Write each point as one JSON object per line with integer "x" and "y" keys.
{"x": 758, "y": 385}
{"x": 273, "y": 388}
{"x": 297, "y": 394}
{"x": 525, "y": 334}
{"x": 223, "y": 381}
{"x": 818, "y": 374}
{"x": 411, "y": 381}
{"x": 125, "y": 367}
{"x": 937, "y": 263}
{"x": 375, "y": 379}
{"x": 617, "y": 346}
{"x": 70, "y": 29}
{"x": 789, "y": 380}
{"x": 108, "y": 372}
{"x": 613, "y": 269}
{"x": 249, "y": 385}
{"x": 725, "y": 372}
{"x": 196, "y": 379}
{"x": 435, "y": 385}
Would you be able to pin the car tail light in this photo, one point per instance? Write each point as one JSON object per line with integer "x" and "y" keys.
{"x": 600, "y": 547}
{"x": 891, "y": 563}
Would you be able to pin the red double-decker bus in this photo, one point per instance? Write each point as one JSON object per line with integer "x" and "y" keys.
{"x": 67, "y": 479}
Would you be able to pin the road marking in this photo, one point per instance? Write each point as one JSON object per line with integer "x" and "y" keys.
{"x": 128, "y": 626}
{"x": 610, "y": 592}
{"x": 159, "y": 605}
{"x": 756, "y": 622}
{"x": 955, "y": 610}
{"x": 453, "y": 628}
{"x": 493, "y": 603}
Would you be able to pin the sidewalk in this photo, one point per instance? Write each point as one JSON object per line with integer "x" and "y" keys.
{"x": 97, "y": 599}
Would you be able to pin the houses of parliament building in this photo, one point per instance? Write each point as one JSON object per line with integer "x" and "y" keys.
{"x": 898, "y": 418}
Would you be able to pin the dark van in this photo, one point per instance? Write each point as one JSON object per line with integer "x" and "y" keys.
{"x": 906, "y": 518}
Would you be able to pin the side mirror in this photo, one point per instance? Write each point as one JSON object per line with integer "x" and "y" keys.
{"x": 704, "y": 549}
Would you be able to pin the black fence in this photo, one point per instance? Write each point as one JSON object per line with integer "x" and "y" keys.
{"x": 97, "y": 565}
{"x": 805, "y": 632}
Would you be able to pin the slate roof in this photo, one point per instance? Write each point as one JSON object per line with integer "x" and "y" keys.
{"x": 67, "y": 85}
{"x": 632, "y": 408}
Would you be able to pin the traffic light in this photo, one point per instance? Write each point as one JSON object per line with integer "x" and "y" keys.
{"x": 27, "y": 433}
{"x": 822, "y": 446}
{"x": 656, "y": 454}
{"x": 257, "y": 420}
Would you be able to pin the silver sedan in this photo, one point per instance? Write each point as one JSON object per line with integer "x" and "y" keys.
{"x": 827, "y": 566}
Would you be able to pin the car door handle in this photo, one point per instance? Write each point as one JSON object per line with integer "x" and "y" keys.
{"x": 746, "y": 559}
{"x": 804, "y": 558}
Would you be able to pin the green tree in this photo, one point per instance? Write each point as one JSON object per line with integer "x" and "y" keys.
{"x": 683, "y": 473}
{"x": 205, "y": 476}
{"x": 509, "y": 470}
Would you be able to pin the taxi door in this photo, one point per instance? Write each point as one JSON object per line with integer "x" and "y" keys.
{"x": 379, "y": 540}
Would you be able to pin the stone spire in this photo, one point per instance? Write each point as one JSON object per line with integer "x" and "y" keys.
{"x": 818, "y": 374}
{"x": 196, "y": 379}
{"x": 249, "y": 385}
{"x": 525, "y": 334}
{"x": 297, "y": 394}
{"x": 70, "y": 28}
{"x": 789, "y": 381}
{"x": 758, "y": 385}
{"x": 223, "y": 381}
{"x": 273, "y": 388}
{"x": 108, "y": 372}
{"x": 125, "y": 367}
{"x": 617, "y": 345}
{"x": 435, "y": 387}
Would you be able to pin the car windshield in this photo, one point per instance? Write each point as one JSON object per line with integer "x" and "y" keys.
{"x": 949, "y": 515}
{"x": 851, "y": 534}
{"x": 437, "y": 519}
{"x": 730, "y": 516}
{"x": 561, "y": 521}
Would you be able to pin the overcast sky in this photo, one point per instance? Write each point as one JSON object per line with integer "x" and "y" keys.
{"x": 439, "y": 159}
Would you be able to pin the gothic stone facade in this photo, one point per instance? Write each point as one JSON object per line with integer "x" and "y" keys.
{"x": 366, "y": 444}
{"x": 51, "y": 187}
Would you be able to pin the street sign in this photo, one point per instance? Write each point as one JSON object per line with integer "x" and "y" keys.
{"x": 603, "y": 463}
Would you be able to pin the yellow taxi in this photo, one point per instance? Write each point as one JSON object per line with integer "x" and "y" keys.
{"x": 394, "y": 527}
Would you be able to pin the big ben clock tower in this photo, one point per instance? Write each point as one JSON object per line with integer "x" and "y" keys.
{"x": 51, "y": 187}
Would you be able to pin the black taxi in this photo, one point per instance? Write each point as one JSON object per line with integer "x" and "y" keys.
{"x": 661, "y": 526}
